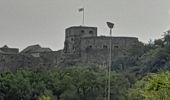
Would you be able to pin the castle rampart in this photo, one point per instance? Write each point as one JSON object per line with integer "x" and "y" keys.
{"x": 82, "y": 46}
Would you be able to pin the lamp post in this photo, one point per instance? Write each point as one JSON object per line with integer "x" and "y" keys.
{"x": 110, "y": 25}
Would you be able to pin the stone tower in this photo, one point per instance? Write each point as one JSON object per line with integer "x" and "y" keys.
{"x": 82, "y": 45}
{"x": 73, "y": 36}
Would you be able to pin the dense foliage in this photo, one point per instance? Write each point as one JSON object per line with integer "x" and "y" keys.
{"x": 152, "y": 87}
{"x": 74, "y": 83}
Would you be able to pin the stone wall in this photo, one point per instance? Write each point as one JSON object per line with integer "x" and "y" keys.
{"x": 28, "y": 61}
{"x": 5, "y": 49}
{"x": 96, "y": 49}
{"x": 82, "y": 46}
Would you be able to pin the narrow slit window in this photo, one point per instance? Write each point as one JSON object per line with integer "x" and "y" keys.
{"x": 104, "y": 46}
{"x": 91, "y": 32}
{"x": 82, "y": 31}
{"x": 116, "y": 46}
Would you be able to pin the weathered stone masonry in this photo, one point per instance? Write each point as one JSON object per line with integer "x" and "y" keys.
{"x": 89, "y": 48}
{"x": 81, "y": 46}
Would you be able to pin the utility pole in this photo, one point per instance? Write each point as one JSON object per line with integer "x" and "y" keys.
{"x": 110, "y": 25}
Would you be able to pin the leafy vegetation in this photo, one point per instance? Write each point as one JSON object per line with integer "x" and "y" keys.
{"x": 152, "y": 87}
{"x": 74, "y": 83}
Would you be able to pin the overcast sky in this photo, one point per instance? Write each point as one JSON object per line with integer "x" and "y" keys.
{"x": 28, "y": 22}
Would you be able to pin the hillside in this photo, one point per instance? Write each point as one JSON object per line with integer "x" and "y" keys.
{"x": 142, "y": 75}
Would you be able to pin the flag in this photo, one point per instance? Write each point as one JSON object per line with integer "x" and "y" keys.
{"x": 81, "y": 9}
{"x": 110, "y": 25}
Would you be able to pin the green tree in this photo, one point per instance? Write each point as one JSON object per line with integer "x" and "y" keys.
{"x": 58, "y": 82}
{"x": 152, "y": 87}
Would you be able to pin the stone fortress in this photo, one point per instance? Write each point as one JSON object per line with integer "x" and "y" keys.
{"x": 81, "y": 46}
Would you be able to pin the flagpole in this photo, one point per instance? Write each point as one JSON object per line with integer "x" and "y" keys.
{"x": 83, "y": 20}
{"x": 83, "y": 16}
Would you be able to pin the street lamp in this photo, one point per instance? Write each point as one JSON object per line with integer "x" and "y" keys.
{"x": 110, "y": 25}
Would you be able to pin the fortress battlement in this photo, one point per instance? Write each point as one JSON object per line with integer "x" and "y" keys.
{"x": 82, "y": 46}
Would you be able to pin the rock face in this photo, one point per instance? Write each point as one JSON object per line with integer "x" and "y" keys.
{"x": 81, "y": 46}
